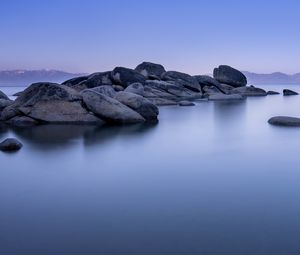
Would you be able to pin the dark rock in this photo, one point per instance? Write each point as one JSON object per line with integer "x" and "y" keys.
{"x": 9, "y": 112}
{"x": 22, "y": 121}
{"x": 162, "y": 101}
{"x": 205, "y": 80}
{"x": 150, "y": 70}
{"x": 106, "y": 90}
{"x": 228, "y": 75}
{"x": 273, "y": 93}
{"x": 4, "y": 103}
{"x": 288, "y": 92}
{"x": 125, "y": 76}
{"x": 186, "y": 103}
{"x": 60, "y": 112}
{"x": 151, "y": 92}
{"x": 98, "y": 79}
{"x": 139, "y": 104}
{"x": 74, "y": 81}
{"x": 249, "y": 91}
{"x": 110, "y": 109}
{"x": 285, "y": 121}
{"x": 118, "y": 88}
{"x": 136, "y": 88}
{"x": 183, "y": 79}
{"x": 3, "y": 96}
{"x": 10, "y": 144}
{"x": 18, "y": 94}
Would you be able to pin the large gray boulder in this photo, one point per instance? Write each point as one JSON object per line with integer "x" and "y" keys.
{"x": 22, "y": 121}
{"x": 110, "y": 109}
{"x": 125, "y": 76}
{"x": 136, "y": 88}
{"x": 105, "y": 90}
{"x": 60, "y": 112}
{"x": 10, "y": 144}
{"x": 183, "y": 79}
{"x": 139, "y": 104}
{"x": 228, "y": 75}
{"x": 249, "y": 91}
{"x": 150, "y": 70}
{"x": 5, "y": 102}
{"x": 3, "y": 96}
{"x": 285, "y": 121}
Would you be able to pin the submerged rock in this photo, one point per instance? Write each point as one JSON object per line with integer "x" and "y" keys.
{"x": 270, "y": 92}
{"x": 10, "y": 144}
{"x": 110, "y": 109}
{"x": 125, "y": 76}
{"x": 228, "y": 75}
{"x": 186, "y": 103}
{"x": 150, "y": 69}
{"x": 139, "y": 104}
{"x": 224, "y": 97}
{"x": 285, "y": 121}
{"x": 288, "y": 92}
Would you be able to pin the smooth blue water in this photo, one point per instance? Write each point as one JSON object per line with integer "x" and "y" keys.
{"x": 211, "y": 179}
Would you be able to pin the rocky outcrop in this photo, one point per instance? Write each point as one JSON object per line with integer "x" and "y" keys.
{"x": 150, "y": 70}
{"x": 224, "y": 97}
{"x": 125, "y": 76}
{"x": 285, "y": 121}
{"x": 288, "y": 92}
{"x": 139, "y": 104}
{"x": 110, "y": 109}
{"x": 105, "y": 90}
{"x": 10, "y": 144}
{"x": 182, "y": 79}
{"x": 3, "y": 96}
{"x": 228, "y": 75}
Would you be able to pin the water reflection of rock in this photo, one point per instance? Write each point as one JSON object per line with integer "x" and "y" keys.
{"x": 53, "y": 136}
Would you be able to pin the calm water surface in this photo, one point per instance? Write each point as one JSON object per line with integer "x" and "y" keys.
{"x": 210, "y": 179}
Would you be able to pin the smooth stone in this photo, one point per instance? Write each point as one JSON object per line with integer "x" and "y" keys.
{"x": 186, "y": 103}
{"x": 106, "y": 90}
{"x": 151, "y": 92}
{"x": 110, "y": 109}
{"x": 125, "y": 76}
{"x": 139, "y": 104}
{"x": 228, "y": 75}
{"x": 249, "y": 91}
{"x": 183, "y": 79}
{"x": 10, "y": 144}
{"x": 5, "y": 102}
{"x": 136, "y": 88}
{"x": 74, "y": 81}
{"x": 270, "y": 92}
{"x": 118, "y": 88}
{"x": 285, "y": 121}
{"x": 224, "y": 97}
{"x": 288, "y": 92}
{"x": 60, "y": 112}
{"x": 22, "y": 121}
{"x": 150, "y": 70}
{"x": 3, "y": 96}
{"x": 98, "y": 79}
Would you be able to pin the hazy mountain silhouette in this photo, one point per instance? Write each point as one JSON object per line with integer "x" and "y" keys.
{"x": 272, "y": 78}
{"x": 26, "y": 77}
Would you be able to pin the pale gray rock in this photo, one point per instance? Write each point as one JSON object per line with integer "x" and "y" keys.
{"x": 106, "y": 90}
{"x": 110, "y": 109}
{"x": 136, "y": 88}
{"x": 162, "y": 101}
{"x": 139, "y": 104}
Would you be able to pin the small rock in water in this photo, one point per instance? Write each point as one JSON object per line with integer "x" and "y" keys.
{"x": 285, "y": 121}
{"x": 273, "y": 93}
{"x": 10, "y": 144}
{"x": 186, "y": 103}
{"x": 288, "y": 92}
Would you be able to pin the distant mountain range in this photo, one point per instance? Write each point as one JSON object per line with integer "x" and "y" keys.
{"x": 273, "y": 78}
{"x": 26, "y": 77}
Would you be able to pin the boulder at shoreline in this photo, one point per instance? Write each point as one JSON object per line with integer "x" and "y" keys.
{"x": 285, "y": 121}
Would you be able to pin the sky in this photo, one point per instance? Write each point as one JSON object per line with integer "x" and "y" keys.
{"x": 192, "y": 36}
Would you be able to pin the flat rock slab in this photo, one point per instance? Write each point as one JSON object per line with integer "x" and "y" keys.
{"x": 285, "y": 121}
{"x": 186, "y": 103}
{"x": 10, "y": 144}
{"x": 224, "y": 97}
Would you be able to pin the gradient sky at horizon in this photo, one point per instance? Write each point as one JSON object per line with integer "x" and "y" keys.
{"x": 191, "y": 36}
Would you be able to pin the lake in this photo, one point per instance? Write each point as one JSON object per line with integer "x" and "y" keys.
{"x": 211, "y": 179}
